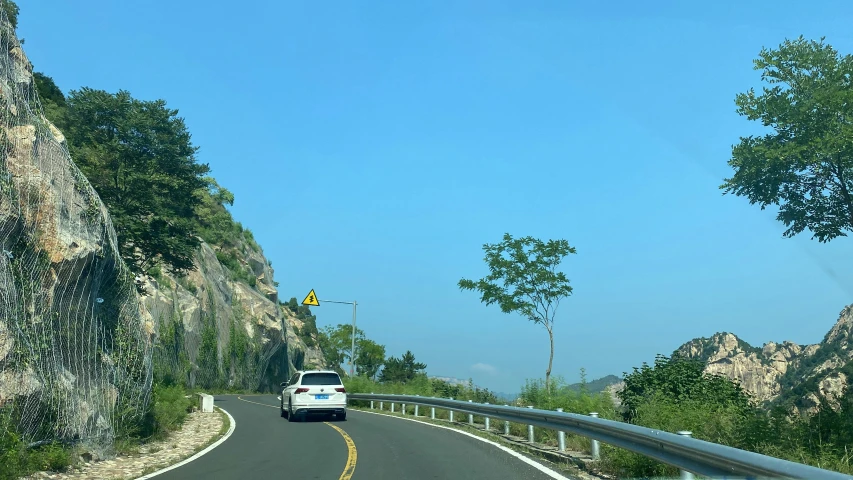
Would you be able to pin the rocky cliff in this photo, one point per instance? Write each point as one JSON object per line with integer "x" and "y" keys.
{"x": 79, "y": 348}
{"x": 217, "y": 330}
{"x": 75, "y": 342}
{"x": 786, "y": 374}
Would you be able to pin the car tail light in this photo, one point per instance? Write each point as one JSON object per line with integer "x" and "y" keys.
{"x": 342, "y": 390}
{"x": 301, "y": 390}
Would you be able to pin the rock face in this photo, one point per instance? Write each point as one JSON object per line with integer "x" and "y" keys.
{"x": 75, "y": 342}
{"x": 218, "y": 332}
{"x": 787, "y": 374}
{"x": 79, "y": 348}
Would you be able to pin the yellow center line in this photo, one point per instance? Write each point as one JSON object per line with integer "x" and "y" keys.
{"x": 349, "y": 469}
{"x": 352, "y": 453}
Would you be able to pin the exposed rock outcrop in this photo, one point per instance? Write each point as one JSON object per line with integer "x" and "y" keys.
{"x": 797, "y": 376}
{"x": 78, "y": 346}
{"x": 254, "y": 342}
{"x": 75, "y": 342}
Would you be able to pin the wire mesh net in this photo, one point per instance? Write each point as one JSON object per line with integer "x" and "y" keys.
{"x": 219, "y": 345}
{"x": 75, "y": 346}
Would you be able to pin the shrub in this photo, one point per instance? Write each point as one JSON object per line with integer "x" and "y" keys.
{"x": 16, "y": 460}
{"x": 157, "y": 274}
{"x": 563, "y": 396}
{"x": 707, "y": 421}
{"x": 168, "y": 410}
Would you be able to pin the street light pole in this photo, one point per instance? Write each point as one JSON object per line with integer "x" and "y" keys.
{"x": 352, "y": 352}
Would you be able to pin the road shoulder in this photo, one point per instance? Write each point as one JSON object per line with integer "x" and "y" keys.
{"x": 199, "y": 432}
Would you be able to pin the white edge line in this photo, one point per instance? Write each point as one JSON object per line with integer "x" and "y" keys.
{"x": 199, "y": 454}
{"x": 532, "y": 463}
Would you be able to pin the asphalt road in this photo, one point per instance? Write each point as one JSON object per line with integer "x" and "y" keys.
{"x": 365, "y": 446}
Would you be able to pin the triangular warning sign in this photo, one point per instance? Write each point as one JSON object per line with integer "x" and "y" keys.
{"x": 311, "y": 299}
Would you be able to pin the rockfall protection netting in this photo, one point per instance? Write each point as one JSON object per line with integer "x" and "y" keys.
{"x": 75, "y": 349}
{"x": 218, "y": 345}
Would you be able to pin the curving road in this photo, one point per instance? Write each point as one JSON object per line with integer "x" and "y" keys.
{"x": 365, "y": 446}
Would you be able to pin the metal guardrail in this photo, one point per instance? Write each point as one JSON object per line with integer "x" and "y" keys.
{"x": 689, "y": 454}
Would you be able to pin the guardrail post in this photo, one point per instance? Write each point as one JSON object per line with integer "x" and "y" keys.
{"x": 451, "y": 413}
{"x": 470, "y": 416}
{"x": 685, "y": 475}
{"x": 487, "y": 420}
{"x": 594, "y": 448}
{"x": 381, "y": 405}
{"x": 506, "y": 424}
{"x": 561, "y": 437}
{"x": 403, "y": 410}
{"x": 416, "y": 407}
{"x": 530, "y": 429}
{"x": 371, "y": 402}
{"x": 432, "y": 413}
{"x": 392, "y": 407}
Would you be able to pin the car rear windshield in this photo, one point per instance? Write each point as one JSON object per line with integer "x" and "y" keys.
{"x": 321, "y": 379}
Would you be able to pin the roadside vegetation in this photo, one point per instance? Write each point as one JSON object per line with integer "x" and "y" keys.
{"x": 139, "y": 157}
{"x": 18, "y": 460}
{"x": 803, "y": 167}
{"x": 671, "y": 395}
{"x": 167, "y": 411}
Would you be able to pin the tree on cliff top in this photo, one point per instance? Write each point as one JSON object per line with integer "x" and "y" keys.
{"x": 12, "y": 11}
{"x": 805, "y": 165}
{"x": 523, "y": 278}
{"x": 139, "y": 157}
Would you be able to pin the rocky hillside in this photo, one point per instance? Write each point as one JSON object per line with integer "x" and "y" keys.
{"x": 785, "y": 374}
{"x": 79, "y": 347}
{"x": 222, "y": 325}
{"x": 75, "y": 341}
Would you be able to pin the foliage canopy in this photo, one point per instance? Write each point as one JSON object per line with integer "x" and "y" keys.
{"x": 401, "y": 370}
{"x": 139, "y": 157}
{"x": 805, "y": 164}
{"x": 523, "y": 278}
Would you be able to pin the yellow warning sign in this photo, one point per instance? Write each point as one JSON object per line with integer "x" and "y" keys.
{"x": 311, "y": 299}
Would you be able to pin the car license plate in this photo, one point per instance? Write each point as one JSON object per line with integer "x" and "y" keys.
{"x": 321, "y": 397}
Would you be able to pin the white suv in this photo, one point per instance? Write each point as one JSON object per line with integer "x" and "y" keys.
{"x": 317, "y": 391}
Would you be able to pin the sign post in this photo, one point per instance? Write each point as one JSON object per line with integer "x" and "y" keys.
{"x": 311, "y": 299}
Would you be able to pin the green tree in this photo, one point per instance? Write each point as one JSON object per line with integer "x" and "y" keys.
{"x": 293, "y": 304}
{"x": 139, "y": 157}
{"x": 336, "y": 344}
{"x": 215, "y": 223}
{"x": 680, "y": 379}
{"x": 805, "y": 164}
{"x": 370, "y": 357}
{"x": 12, "y": 10}
{"x": 52, "y": 99}
{"x": 401, "y": 370}
{"x": 523, "y": 278}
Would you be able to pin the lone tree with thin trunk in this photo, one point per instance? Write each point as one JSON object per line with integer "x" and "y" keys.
{"x": 804, "y": 164}
{"x": 523, "y": 278}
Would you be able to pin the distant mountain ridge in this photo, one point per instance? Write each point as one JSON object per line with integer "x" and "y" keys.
{"x": 784, "y": 374}
{"x": 450, "y": 380}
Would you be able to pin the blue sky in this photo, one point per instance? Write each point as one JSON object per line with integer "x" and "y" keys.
{"x": 373, "y": 147}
